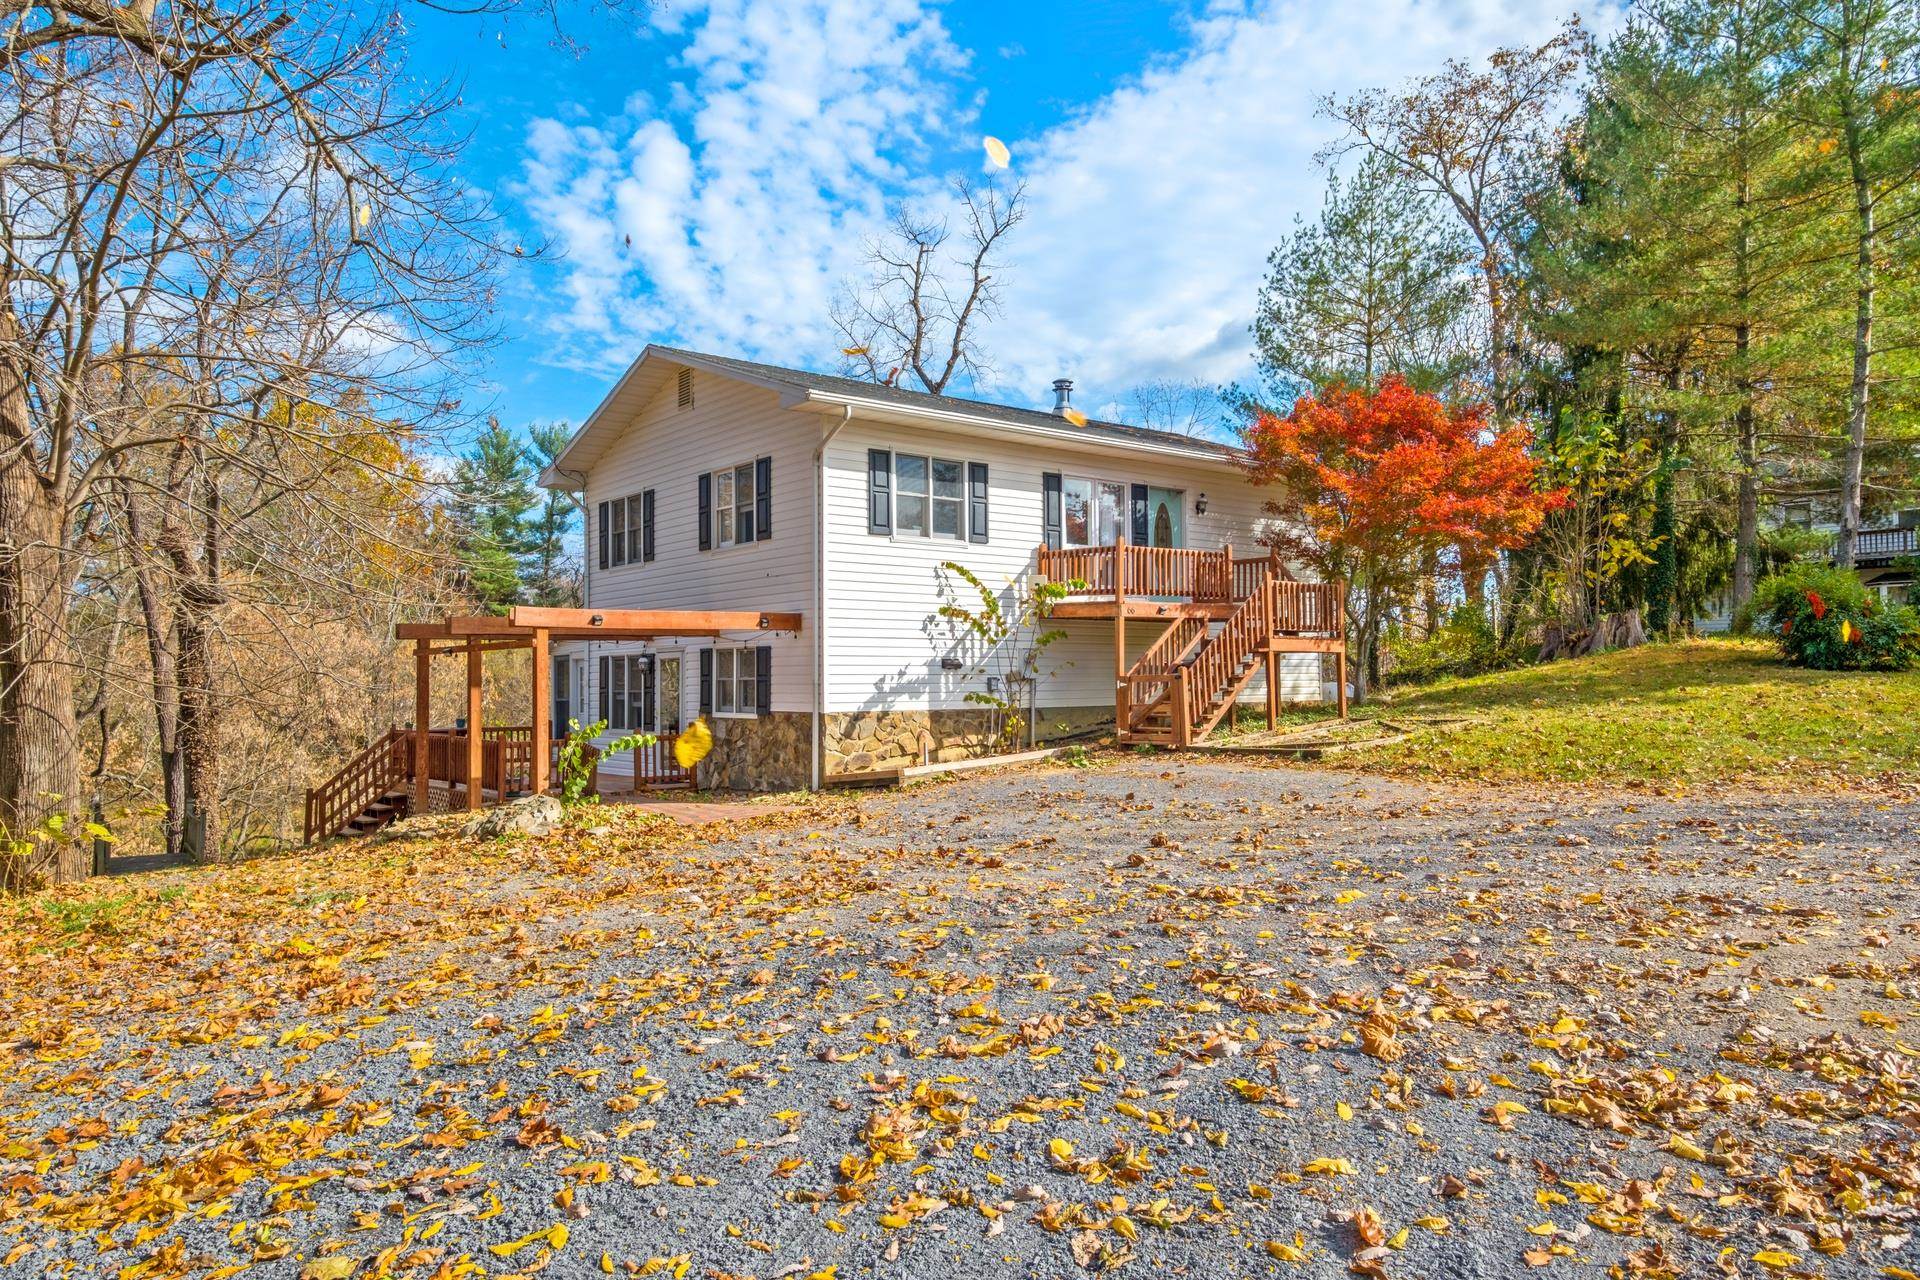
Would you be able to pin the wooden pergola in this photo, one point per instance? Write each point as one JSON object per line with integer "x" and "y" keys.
{"x": 536, "y": 629}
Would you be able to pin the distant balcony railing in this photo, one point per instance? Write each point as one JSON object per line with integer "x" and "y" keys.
{"x": 1884, "y": 544}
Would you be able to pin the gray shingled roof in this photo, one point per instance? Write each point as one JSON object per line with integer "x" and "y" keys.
{"x": 834, "y": 384}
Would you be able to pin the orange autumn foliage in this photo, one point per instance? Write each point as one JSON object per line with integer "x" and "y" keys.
{"x": 1377, "y": 480}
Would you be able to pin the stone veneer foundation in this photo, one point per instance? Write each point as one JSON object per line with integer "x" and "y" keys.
{"x": 864, "y": 741}
{"x": 767, "y": 753}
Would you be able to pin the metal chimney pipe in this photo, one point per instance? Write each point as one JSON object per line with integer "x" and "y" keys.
{"x": 1062, "y": 396}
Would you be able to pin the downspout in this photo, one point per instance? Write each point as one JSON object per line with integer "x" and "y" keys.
{"x": 820, "y": 595}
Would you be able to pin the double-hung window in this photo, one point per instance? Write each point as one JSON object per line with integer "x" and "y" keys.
{"x": 735, "y": 673}
{"x": 736, "y": 505}
{"x": 626, "y": 530}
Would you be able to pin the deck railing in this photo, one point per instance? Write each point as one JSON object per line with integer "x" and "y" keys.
{"x": 377, "y": 769}
{"x": 1203, "y": 577}
{"x": 654, "y": 764}
{"x": 1887, "y": 542}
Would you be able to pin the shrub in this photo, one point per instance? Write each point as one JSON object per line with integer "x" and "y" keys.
{"x": 1825, "y": 618}
{"x": 1466, "y": 644}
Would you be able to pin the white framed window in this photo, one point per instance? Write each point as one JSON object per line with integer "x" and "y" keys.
{"x": 742, "y": 502}
{"x": 1093, "y": 512}
{"x": 929, "y": 496}
{"x": 736, "y": 674}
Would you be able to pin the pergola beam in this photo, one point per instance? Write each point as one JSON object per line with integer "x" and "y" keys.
{"x": 660, "y": 622}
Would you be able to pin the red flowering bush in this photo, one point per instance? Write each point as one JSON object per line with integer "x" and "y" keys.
{"x": 1827, "y": 619}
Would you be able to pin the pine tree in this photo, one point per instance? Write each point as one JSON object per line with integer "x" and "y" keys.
{"x": 1373, "y": 287}
{"x": 1702, "y": 179}
{"x": 493, "y": 493}
{"x": 553, "y": 576}
{"x": 1859, "y": 72}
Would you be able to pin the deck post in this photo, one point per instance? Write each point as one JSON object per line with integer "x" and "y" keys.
{"x": 542, "y": 711}
{"x": 1182, "y": 715}
{"x": 476, "y": 747}
{"x": 1122, "y": 690}
{"x": 422, "y": 713}
{"x": 1340, "y": 676}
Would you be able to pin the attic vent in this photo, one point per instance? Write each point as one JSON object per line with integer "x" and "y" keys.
{"x": 686, "y": 388}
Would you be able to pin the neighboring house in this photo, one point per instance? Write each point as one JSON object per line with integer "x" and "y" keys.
{"x": 1883, "y": 556}
{"x": 712, "y": 483}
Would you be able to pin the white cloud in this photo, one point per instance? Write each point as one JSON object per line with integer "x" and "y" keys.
{"x": 725, "y": 216}
{"x": 1151, "y": 211}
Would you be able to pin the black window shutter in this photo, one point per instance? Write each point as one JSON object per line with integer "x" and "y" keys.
{"x": 706, "y": 511}
{"x": 763, "y": 680}
{"x": 1052, "y": 510}
{"x": 1140, "y": 535}
{"x": 602, "y": 512}
{"x": 762, "y": 499}
{"x": 706, "y": 682}
{"x": 976, "y": 502}
{"x": 650, "y": 694}
{"x": 603, "y": 716}
{"x": 879, "y": 491}
{"x": 646, "y": 525}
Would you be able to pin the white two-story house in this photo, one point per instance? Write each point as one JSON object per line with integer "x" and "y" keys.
{"x": 717, "y": 484}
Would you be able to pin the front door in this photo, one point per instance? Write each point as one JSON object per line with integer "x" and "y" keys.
{"x": 668, "y": 690}
{"x": 1166, "y": 519}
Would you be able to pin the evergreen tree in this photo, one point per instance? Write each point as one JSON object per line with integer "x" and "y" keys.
{"x": 553, "y": 576}
{"x": 1707, "y": 270}
{"x": 1373, "y": 287}
{"x": 493, "y": 494}
{"x": 1859, "y": 69}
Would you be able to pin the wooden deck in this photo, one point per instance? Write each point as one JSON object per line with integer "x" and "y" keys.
{"x": 1229, "y": 617}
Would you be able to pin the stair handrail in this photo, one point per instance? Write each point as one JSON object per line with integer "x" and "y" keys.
{"x": 1153, "y": 670}
{"x": 1215, "y": 665}
{"x": 370, "y": 774}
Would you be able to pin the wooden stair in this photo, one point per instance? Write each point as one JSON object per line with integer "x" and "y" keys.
{"x": 390, "y": 807}
{"x": 1191, "y": 677}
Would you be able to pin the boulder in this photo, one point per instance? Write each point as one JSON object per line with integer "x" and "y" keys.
{"x": 533, "y": 816}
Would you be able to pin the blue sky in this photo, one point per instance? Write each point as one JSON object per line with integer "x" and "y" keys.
{"x": 706, "y": 173}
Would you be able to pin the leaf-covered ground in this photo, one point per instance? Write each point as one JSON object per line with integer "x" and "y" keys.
{"x": 1148, "y": 1017}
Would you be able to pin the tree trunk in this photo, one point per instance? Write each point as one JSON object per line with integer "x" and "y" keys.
{"x": 200, "y": 596}
{"x": 39, "y": 739}
{"x": 1746, "y": 538}
{"x": 165, "y": 681}
{"x": 1856, "y": 451}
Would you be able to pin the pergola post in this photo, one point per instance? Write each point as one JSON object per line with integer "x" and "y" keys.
{"x": 475, "y": 746}
{"x": 1122, "y": 687}
{"x": 542, "y": 711}
{"x": 422, "y": 704}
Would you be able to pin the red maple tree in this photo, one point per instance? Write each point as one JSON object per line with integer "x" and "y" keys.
{"x": 1379, "y": 485}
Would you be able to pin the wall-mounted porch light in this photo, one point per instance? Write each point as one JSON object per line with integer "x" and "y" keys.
{"x": 1200, "y": 505}
{"x": 597, "y": 620}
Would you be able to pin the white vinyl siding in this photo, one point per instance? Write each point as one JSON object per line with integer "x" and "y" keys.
{"x": 666, "y": 449}
{"x": 884, "y": 647}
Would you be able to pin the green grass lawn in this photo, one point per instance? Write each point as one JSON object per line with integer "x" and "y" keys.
{"x": 1676, "y": 714}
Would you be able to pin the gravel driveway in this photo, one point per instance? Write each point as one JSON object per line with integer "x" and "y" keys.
{"x": 1149, "y": 1017}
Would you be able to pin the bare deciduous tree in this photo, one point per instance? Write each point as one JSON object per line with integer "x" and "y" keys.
{"x": 1187, "y": 407}
{"x": 1475, "y": 137}
{"x": 211, "y": 215}
{"x": 916, "y": 315}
